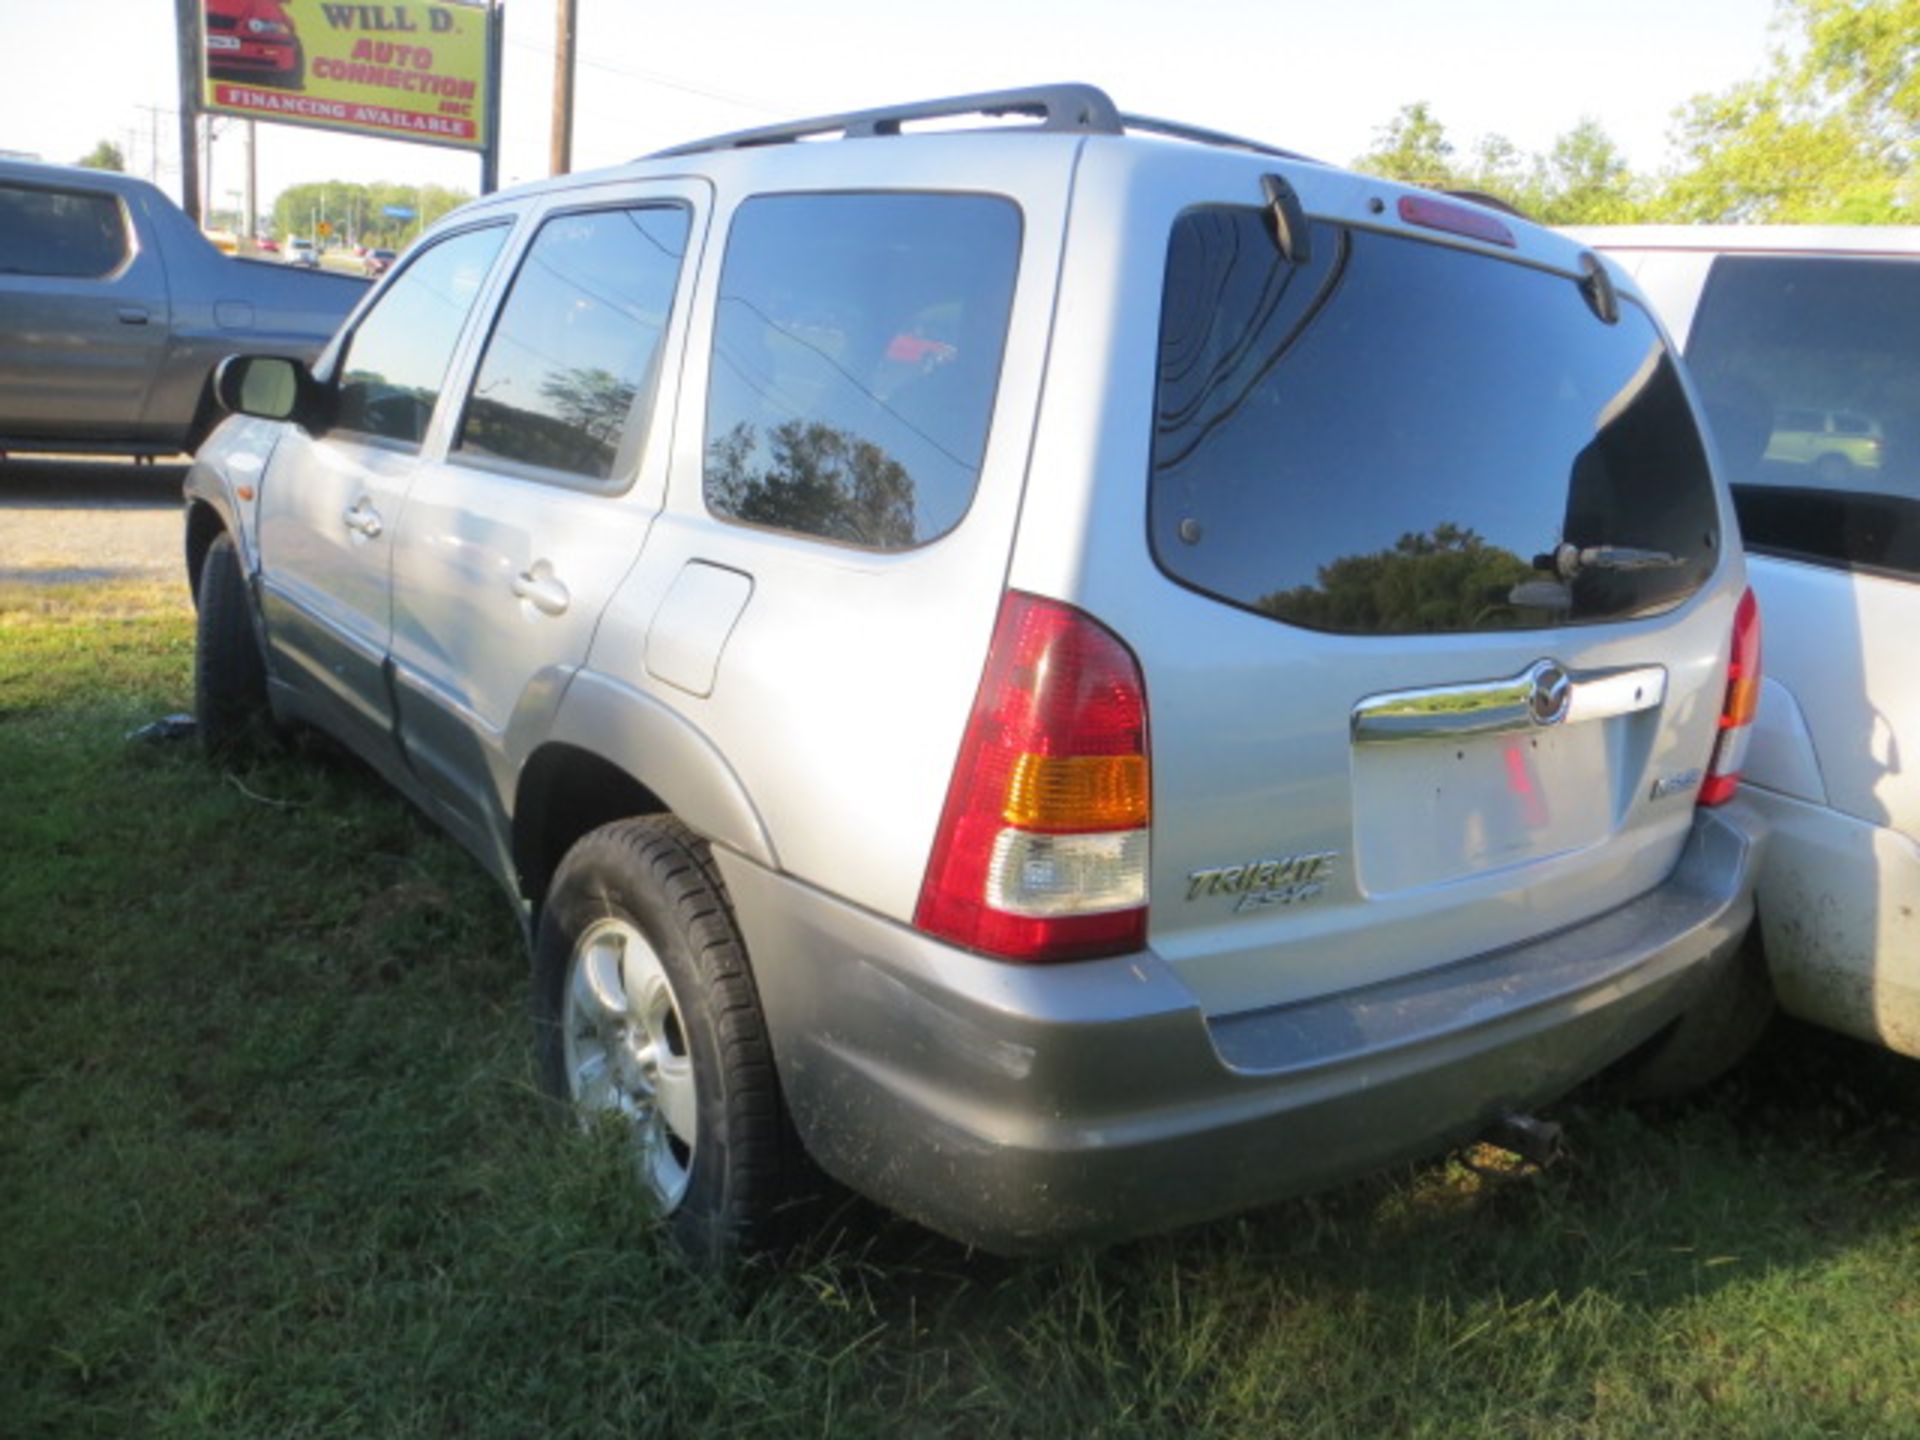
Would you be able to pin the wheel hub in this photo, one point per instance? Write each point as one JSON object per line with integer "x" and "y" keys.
{"x": 626, "y": 1053}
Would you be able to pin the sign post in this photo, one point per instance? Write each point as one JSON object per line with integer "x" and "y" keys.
{"x": 187, "y": 22}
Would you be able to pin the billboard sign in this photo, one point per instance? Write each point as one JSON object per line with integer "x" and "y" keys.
{"x": 407, "y": 71}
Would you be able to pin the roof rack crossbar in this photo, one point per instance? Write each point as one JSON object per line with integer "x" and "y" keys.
{"x": 1083, "y": 108}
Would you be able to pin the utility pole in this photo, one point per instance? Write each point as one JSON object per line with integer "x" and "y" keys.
{"x": 187, "y": 26}
{"x": 566, "y": 14}
{"x": 153, "y": 141}
{"x": 490, "y": 146}
{"x": 206, "y": 174}
{"x": 251, "y": 227}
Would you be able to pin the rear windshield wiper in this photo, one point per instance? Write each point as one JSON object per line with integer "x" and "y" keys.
{"x": 1567, "y": 561}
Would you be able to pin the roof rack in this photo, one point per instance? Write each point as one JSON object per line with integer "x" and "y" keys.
{"x": 1083, "y": 109}
{"x": 1059, "y": 107}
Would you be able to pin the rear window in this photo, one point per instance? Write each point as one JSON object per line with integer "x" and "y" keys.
{"x": 72, "y": 234}
{"x": 856, "y": 353}
{"x": 1809, "y": 367}
{"x": 1400, "y": 437}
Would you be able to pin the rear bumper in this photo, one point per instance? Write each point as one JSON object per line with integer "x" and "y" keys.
{"x": 1026, "y": 1108}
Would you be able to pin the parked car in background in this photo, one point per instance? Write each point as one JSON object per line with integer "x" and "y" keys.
{"x": 114, "y": 310}
{"x": 301, "y": 252}
{"x": 378, "y": 262}
{"x": 267, "y": 244}
{"x": 742, "y": 552}
{"x": 1804, "y": 343}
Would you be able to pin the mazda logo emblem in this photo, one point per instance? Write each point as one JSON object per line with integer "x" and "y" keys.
{"x": 1550, "y": 695}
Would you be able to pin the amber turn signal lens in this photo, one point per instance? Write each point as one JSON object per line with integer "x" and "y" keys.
{"x": 1077, "y": 792}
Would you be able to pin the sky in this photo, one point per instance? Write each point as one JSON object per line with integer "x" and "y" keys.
{"x": 1313, "y": 77}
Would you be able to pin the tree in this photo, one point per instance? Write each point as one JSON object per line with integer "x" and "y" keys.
{"x": 1828, "y": 133}
{"x": 1582, "y": 180}
{"x": 1867, "y": 54}
{"x": 1446, "y": 579}
{"x": 816, "y": 479}
{"x": 1585, "y": 180}
{"x": 1412, "y": 148}
{"x": 359, "y": 209}
{"x": 104, "y": 156}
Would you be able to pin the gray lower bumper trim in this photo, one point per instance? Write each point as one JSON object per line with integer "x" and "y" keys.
{"x": 1023, "y": 1108}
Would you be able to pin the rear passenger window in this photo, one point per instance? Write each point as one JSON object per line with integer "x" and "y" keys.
{"x": 71, "y": 234}
{"x": 578, "y": 341}
{"x": 1398, "y": 437}
{"x": 1809, "y": 367}
{"x": 856, "y": 353}
{"x": 398, "y": 355}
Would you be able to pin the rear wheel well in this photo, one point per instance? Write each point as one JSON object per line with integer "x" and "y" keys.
{"x": 564, "y": 792}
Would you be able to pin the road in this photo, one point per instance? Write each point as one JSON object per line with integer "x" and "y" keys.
{"x": 88, "y": 519}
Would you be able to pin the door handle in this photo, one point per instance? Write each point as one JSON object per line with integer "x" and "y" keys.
{"x": 542, "y": 589}
{"x": 363, "y": 519}
{"x": 132, "y": 315}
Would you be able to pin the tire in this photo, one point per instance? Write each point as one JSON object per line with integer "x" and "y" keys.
{"x": 1833, "y": 470}
{"x": 644, "y": 1008}
{"x": 229, "y": 674}
{"x": 1709, "y": 1039}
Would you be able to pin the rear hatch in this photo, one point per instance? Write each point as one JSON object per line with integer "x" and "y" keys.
{"x": 1431, "y": 653}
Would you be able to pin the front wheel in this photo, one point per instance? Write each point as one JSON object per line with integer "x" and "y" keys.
{"x": 229, "y": 675}
{"x": 646, "y": 1014}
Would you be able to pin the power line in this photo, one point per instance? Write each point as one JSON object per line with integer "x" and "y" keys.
{"x": 649, "y": 77}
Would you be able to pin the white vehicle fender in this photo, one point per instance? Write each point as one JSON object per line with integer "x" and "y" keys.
{"x": 1781, "y": 755}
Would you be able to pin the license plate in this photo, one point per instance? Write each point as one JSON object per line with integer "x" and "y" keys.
{"x": 222, "y": 42}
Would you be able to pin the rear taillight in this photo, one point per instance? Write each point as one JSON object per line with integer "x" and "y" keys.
{"x": 1736, "y": 715}
{"x": 1042, "y": 848}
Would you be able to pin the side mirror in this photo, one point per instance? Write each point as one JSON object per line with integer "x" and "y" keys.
{"x": 270, "y": 387}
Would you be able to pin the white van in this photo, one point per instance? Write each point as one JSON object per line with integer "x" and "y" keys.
{"x": 1804, "y": 343}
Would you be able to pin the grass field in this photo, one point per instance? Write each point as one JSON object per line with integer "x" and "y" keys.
{"x": 271, "y": 1165}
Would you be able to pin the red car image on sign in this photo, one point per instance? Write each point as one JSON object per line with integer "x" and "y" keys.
{"x": 254, "y": 40}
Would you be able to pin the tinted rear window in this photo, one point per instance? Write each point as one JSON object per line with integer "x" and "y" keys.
{"x": 70, "y": 233}
{"x": 856, "y": 353}
{"x": 1809, "y": 367}
{"x": 1401, "y": 437}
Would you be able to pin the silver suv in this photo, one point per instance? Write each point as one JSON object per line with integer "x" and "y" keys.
{"x": 1078, "y": 676}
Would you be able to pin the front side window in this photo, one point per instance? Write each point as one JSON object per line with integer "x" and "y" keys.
{"x": 397, "y": 358}
{"x": 856, "y": 354}
{"x": 71, "y": 234}
{"x": 577, "y": 341}
{"x": 1809, "y": 367}
{"x": 1397, "y": 437}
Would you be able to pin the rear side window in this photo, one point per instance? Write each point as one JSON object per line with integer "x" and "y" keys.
{"x": 1400, "y": 437}
{"x": 577, "y": 341}
{"x": 1809, "y": 367}
{"x": 397, "y": 358}
{"x": 856, "y": 353}
{"x": 71, "y": 234}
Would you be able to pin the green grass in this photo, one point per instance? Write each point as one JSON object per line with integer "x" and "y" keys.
{"x": 271, "y": 1165}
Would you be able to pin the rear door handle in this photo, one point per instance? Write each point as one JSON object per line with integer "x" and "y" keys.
{"x": 132, "y": 315}
{"x": 542, "y": 589}
{"x": 363, "y": 519}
